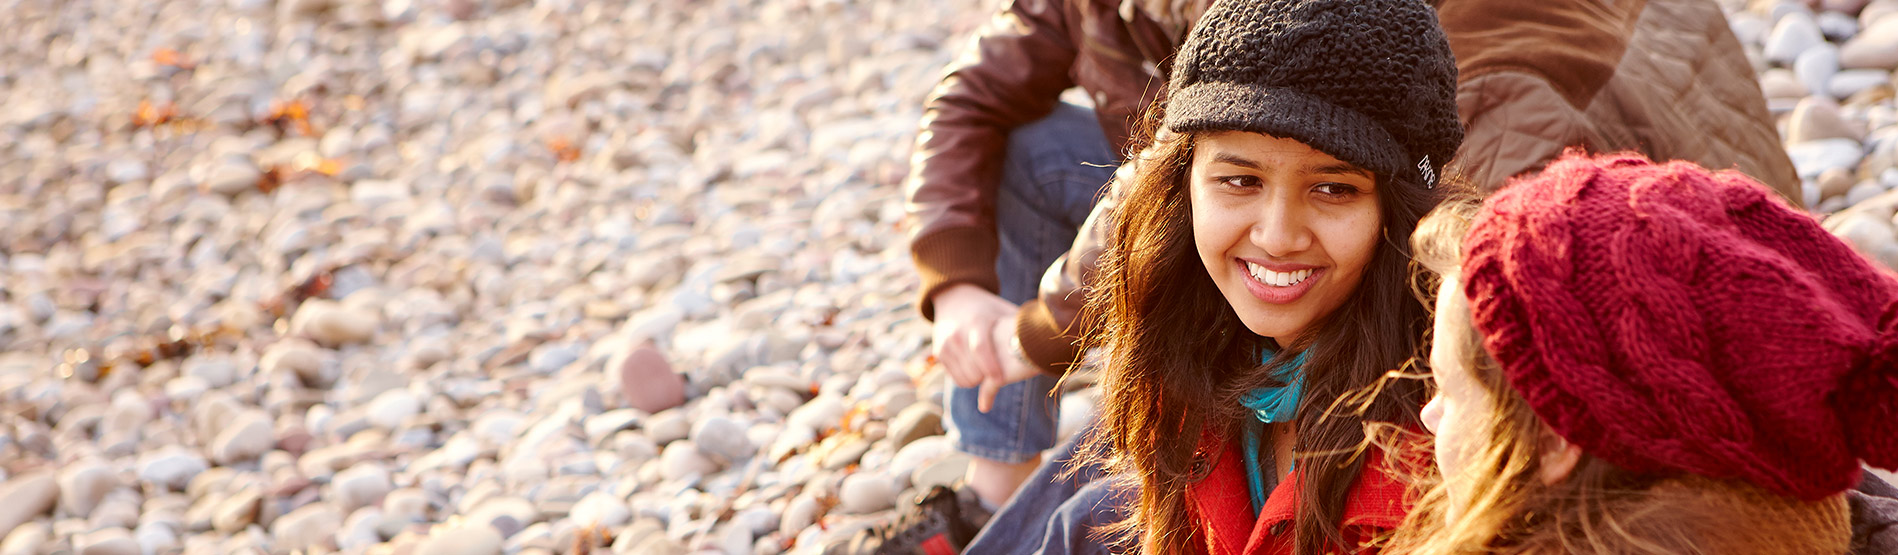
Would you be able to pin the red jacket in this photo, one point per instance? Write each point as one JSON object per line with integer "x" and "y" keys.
{"x": 1377, "y": 504}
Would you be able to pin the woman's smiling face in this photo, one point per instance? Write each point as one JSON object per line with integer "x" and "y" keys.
{"x": 1285, "y": 231}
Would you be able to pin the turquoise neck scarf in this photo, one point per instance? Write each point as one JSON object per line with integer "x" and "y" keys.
{"x": 1270, "y": 404}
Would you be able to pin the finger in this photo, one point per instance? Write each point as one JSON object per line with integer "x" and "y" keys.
{"x": 985, "y": 399}
{"x": 982, "y": 351}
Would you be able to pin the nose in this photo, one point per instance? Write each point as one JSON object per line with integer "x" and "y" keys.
{"x": 1432, "y": 413}
{"x": 1281, "y": 228}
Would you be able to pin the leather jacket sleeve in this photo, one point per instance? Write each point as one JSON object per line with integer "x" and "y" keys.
{"x": 1010, "y": 74}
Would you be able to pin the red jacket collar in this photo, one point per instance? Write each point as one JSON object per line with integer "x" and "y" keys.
{"x": 1376, "y": 503}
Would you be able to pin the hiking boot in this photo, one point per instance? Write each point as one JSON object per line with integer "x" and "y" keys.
{"x": 940, "y": 523}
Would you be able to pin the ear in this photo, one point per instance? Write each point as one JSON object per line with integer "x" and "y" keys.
{"x": 1559, "y": 458}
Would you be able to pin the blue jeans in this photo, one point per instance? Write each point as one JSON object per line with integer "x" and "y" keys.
{"x": 1058, "y": 510}
{"x": 1053, "y": 171}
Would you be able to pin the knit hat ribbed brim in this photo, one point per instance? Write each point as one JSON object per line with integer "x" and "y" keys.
{"x": 1370, "y": 82}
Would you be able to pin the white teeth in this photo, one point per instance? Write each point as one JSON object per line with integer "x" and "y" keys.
{"x": 1278, "y": 279}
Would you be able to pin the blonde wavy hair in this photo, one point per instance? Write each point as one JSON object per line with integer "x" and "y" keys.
{"x": 1598, "y": 508}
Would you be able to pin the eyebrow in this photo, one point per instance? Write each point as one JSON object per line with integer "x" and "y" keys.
{"x": 1333, "y": 169}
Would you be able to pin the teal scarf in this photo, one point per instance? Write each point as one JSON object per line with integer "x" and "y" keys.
{"x": 1270, "y": 404}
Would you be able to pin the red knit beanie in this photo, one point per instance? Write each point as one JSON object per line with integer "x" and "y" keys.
{"x": 1667, "y": 318}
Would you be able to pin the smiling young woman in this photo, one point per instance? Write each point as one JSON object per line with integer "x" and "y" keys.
{"x": 1257, "y": 275}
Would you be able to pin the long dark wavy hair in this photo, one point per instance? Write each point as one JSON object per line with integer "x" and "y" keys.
{"x": 1179, "y": 359}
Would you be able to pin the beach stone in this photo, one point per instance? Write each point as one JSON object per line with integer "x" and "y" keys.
{"x": 215, "y": 369}
{"x": 916, "y": 422}
{"x": 1816, "y": 119}
{"x": 647, "y": 381}
{"x": 299, "y": 358}
{"x": 505, "y": 514}
{"x": 248, "y": 436}
{"x": 1816, "y": 66}
{"x": 867, "y": 492}
{"x": 1854, "y": 81}
{"x": 155, "y": 537}
{"x": 800, "y": 513}
{"x": 330, "y": 324}
{"x": 1812, "y": 158}
{"x": 667, "y": 427}
{"x": 28, "y": 496}
{"x": 308, "y": 527}
{"x": 1782, "y": 83}
{"x": 236, "y": 512}
{"x": 1791, "y": 36}
{"x": 393, "y": 407}
{"x": 1875, "y": 47}
{"x": 1835, "y": 182}
{"x": 362, "y": 485}
{"x": 231, "y": 175}
{"x": 721, "y": 436}
{"x": 461, "y": 540}
{"x": 682, "y": 459}
{"x": 1876, "y": 11}
{"x": 83, "y": 485}
{"x": 601, "y": 509}
{"x": 109, "y": 541}
{"x": 945, "y": 472}
{"x": 170, "y": 467}
{"x": 823, "y": 413}
{"x": 1837, "y": 27}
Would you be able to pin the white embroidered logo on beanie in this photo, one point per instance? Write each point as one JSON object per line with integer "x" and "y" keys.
{"x": 1429, "y": 175}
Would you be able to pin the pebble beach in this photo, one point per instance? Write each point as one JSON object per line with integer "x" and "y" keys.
{"x": 540, "y": 276}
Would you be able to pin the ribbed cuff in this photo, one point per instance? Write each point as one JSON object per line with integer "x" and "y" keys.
{"x": 952, "y": 256}
{"x": 1043, "y": 341}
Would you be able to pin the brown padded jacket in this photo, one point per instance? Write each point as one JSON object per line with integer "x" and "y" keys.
{"x": 1663, "y": 77}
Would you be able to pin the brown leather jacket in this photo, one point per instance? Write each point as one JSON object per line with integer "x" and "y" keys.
{"x": 1663, "y": 77}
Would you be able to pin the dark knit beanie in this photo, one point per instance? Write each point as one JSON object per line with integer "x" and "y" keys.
{"x": 1370, "y": 82}
{"x": 1670, "y": 319}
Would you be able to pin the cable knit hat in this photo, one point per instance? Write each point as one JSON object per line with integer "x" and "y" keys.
{"x": 1371, "y": 82}
{"x": 1670, "y": 319}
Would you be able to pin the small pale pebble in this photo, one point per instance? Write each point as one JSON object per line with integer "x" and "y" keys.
{"x": 392, "y": 408}
{"x": 307, "y": 527}
{"x": 1863, "y": 191}
{"x": 153, "y": 537}
{"x": 237, "y": 511}
{"x": 246, "y": 437}
{"x": 461, "y": 540}
{"x": 82, "y": 485}
{"x": 1816, "y": 66}
{"x": 109, "y": 541}
{"x": 1853, "y": 81}
{"x": 801, "y": 513}
{"x": 601, "y": 426}
{"x": 601, "y": 509}
{"x": 330, "y": 323}
{"x": 1875, "y": 47}
{"x": 361, "y": 485}
{"x": 682, "y": 459}
{"x": 1792, "y": 35}
{"x": 230, "y": 176}
{"x": 668, "y": 426}
{"x": 867, "y": 492}
{"x": 846, "y": 452}
{"x": 409, "y": 503}
{"x": 723, "y": 437}
{"x": 1818, "y": 118}
{"x": 26, "y": 539}
{"x": 360, "y": 530}
{"x": 170, "y": 467}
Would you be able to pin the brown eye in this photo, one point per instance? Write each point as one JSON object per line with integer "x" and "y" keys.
{"x": 1336, "y": 189}
{"x": 1240, "y": 181}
